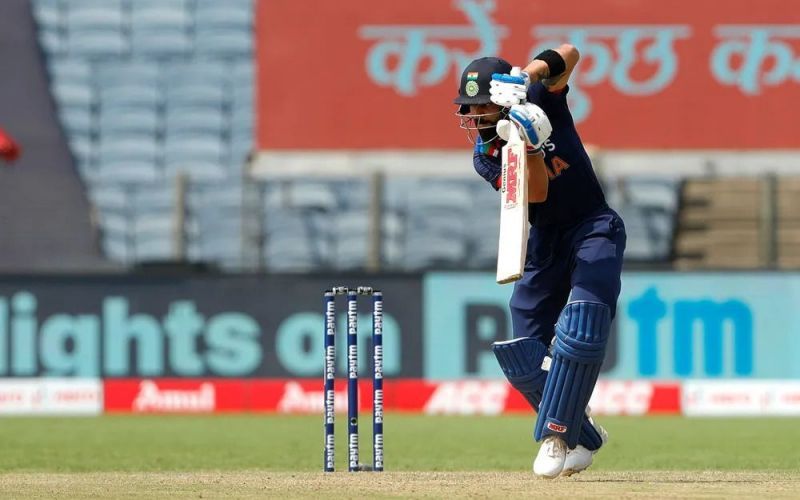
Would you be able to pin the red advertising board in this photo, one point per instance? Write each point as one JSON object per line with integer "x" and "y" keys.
{"x": 681, "y": 74}
{"x": 175, "y": 395}
{"x": 304, "y": 396}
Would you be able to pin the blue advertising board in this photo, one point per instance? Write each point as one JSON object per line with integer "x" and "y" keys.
{"x": 668, "y": 326}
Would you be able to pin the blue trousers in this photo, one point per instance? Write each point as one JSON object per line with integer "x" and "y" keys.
{"x": 582, "y": 262}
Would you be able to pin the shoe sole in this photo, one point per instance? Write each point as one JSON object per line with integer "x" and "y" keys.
{"x": 571, "y": 472}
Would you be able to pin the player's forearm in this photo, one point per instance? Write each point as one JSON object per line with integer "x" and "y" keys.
{"x": 537, "y": 178}
{"x": 540, "y": 71}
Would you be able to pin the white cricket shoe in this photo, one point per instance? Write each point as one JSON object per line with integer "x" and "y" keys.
{"x": 551, "y": 457}
{"x": 580, "y": 458}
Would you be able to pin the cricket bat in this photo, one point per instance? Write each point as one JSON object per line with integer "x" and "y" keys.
{"x": 513, "y": 209}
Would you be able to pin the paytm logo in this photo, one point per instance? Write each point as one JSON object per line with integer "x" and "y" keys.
{"x": 708, "y": 319}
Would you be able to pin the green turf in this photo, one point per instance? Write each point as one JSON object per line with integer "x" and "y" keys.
{"x": 186, "y": 443}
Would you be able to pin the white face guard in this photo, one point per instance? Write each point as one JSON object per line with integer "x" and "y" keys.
{"x": 473, "y": 124}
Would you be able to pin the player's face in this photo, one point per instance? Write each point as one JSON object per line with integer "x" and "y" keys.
{"x": 481, "y": 119}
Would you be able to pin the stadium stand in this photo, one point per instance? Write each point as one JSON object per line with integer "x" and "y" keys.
{"x": 450, "y": 222}
{"x": 649, "y": 207}
{"x": 148, "y": 90}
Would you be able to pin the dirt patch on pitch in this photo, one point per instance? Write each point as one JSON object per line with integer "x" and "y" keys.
{"x": 261, "y": 484}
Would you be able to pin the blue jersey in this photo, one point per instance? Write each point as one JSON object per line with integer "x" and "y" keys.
{"x": 574, "y": 191}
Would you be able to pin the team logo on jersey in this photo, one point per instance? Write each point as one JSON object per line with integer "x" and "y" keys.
{"x": 471, "y": 88}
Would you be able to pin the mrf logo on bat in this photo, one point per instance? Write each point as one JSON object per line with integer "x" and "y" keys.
{"x": 511, "y": 180}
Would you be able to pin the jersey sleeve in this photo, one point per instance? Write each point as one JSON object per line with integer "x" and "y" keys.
{"x": 486, "y": 161}
{"x": 554, "y": 104}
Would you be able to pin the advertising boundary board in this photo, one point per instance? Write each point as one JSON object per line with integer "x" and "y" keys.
{"x": 437, "y": 326}
{"x": 698, "y": 75}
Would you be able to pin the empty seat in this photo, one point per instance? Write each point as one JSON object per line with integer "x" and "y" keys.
{"x": 94, "y": 14}
{"x": 653, "y": 192}
{"x": 242, "y": 128}
{"x": 52, "y": 41}
{"x": 210, "y": 247}
{"x": 73, "y": 94}
{"x": 215, "y": 195}
{"x": 110, "y": 196}
{"x": 77, "y": 120}
{"x": 290, "y": 254}
{"x": 154, "y": 198}
{"x": 160, "y": 30}
{"x": 208, "y": 121}
{"x": 113, "y": 222}
{"x": 81, "y": 148}
{"x": 131, "y": 95}
{"x": 207, "y": 73}
{"x": 48, "y": 15}
{"x": 200, "y": 157}
{"x": 449, "y": 194}
{"x": 144, "y": 121}
{"x": 154, "y": 248}
{"x": 351, "y": 233}
{"x": 152, "y": 15}
{"x": 160, "y": 42}
{"x": 95, "y": 28}
{"x": 431, "y": 250}
{"x": 313, "y": 195}
{"x": 128, "y": 74}
{"x": 196, "y": 94}
{"x": 66, "y": 70}
{"x": 132, "y": 159}
{"x": 224, "y": 42}
{"x": 639, "y": 247}
{"x": 232, "y": 14}
{"x": 293, "y": 240}
{"x": 117, "y": 247}
{"x": 96, "y": 43}
{"x": 396, "y": 192}
{"x": 241, "y": 147}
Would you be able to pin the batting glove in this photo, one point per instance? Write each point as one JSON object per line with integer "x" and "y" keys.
{"x": 533, "y": 124}
{"x": 507, "y": 90}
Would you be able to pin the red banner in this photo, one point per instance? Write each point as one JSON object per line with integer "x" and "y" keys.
{"x": 681, "y": 74}
{"x": 175, "y": 395}
{"x": 461, "y": 397}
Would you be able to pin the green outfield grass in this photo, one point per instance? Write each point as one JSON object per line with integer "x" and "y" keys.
{"x": 413, "y": 443}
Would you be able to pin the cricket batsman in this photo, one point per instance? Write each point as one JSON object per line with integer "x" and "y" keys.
{"x": 562, "y": 307}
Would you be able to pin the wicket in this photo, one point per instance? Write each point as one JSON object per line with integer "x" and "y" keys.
{"x": 352, "y": 377}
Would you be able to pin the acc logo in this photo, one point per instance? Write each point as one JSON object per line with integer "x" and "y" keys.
{"x": 472, "y": 88}
{"x": 561, "y": 429}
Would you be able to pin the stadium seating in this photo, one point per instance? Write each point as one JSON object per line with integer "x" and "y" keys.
{"x": 147, "y": 89}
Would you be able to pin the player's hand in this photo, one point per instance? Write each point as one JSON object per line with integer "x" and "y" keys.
{"x": 507, "y": 90}
{"x": 531, "y": 121}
